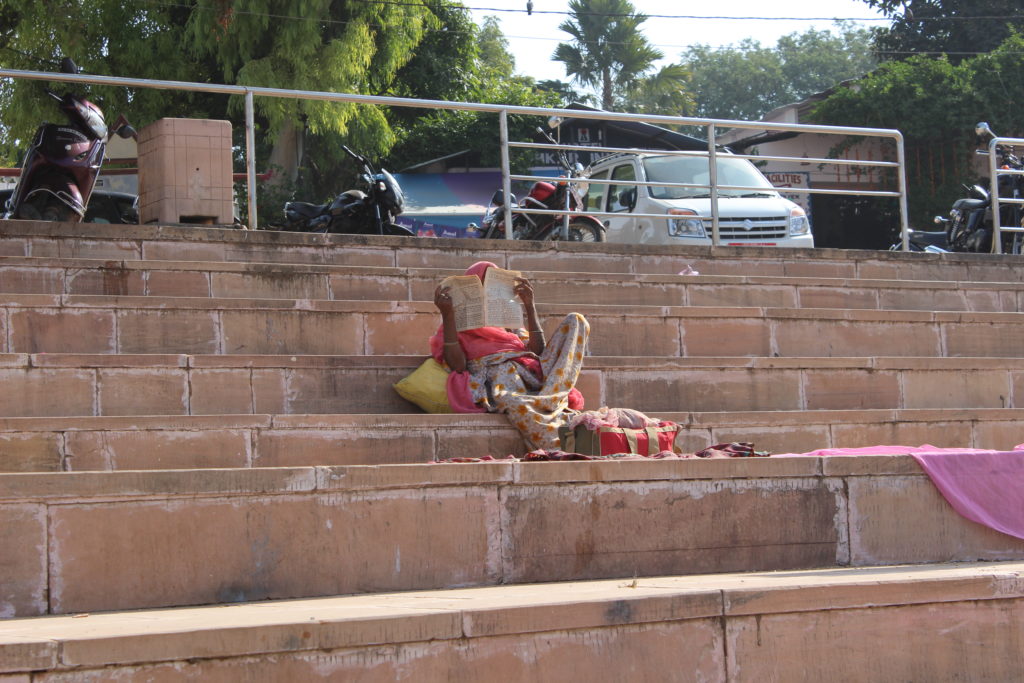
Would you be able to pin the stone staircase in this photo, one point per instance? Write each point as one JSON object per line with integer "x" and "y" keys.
{"x": 204, "y": 417}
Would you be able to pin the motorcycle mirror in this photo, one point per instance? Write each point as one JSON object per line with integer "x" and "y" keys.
{"x": 126, "y": 132}
{"x": 498, "y": 198}
{"x": 983, "y": 131}
{"x": 68, "y": 66}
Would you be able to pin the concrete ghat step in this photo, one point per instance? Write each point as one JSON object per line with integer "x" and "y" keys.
{"x": 158, "y": 442}
{"x": 949, "y": 619}
{"x": 135, "y": 242}
{"x": 77, "y": 542}
{"x": 300, "y": 281}
{"x": 53, "y": 384}
{"x": 102, "y": 324}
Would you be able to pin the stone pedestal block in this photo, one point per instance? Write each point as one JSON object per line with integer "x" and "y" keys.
{"x": 185, "y": 172}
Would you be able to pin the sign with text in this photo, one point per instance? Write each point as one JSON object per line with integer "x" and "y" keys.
{"x": 799, "y": 179}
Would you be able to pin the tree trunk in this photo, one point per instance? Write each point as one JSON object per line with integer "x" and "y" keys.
{"x": 606, "y": 90}
{"x": 286, "y": 154}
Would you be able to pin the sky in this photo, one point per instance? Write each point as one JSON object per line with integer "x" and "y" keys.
{"x": 532, "y": 39}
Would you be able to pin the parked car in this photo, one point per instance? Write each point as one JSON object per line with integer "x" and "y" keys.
{"x": 104, "y": 206}
{"x": 750, "y": 217}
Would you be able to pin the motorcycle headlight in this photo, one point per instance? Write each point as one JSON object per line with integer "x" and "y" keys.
{"x": 798, "y": 222}
{"x": 687, "y": 224}
{"x": 92, "y": 119}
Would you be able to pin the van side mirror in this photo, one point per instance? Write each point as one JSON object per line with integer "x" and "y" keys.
{"x": 627, "y": 198}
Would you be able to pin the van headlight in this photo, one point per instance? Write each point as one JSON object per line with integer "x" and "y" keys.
{"x": 687, "y": 224}
{"x": 798, "y": 222}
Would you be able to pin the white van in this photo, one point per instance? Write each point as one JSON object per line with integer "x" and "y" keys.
{"x": 759, "y": 217}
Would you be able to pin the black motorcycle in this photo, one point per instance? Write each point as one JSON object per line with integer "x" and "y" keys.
{"x": 354, "y": 212}
{"x": 969, "y": 227}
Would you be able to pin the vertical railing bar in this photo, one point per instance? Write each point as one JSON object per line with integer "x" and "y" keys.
{"x": 902, "y": 183}
{"x": 506, "y": 182}
{"x": 250, "y": 158}
{"x": 713, "y": 179}
{"x": 997, "y": 234}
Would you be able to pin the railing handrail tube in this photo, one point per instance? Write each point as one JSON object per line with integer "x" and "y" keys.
{"x": 435, "y": 104}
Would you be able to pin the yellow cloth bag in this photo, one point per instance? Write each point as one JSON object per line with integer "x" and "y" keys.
{"x": 426, "y": 387}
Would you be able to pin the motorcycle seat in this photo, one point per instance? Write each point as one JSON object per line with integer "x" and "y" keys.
{"x": 930, "y": 237}
{"x": 968, "y": 204}
{"x": 305, "y": 209}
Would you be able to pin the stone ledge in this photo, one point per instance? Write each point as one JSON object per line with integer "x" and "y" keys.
{"x": 287, "y": 627}
{"x": 59, "y": 487}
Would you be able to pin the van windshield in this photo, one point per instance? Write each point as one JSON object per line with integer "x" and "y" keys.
{"x": 694, "y": 170}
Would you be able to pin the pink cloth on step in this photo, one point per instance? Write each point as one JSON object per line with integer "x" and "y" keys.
{"x": 984, "y": 486}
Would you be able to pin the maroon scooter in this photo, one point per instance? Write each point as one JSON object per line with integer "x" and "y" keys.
{"x": 63, "y": 161}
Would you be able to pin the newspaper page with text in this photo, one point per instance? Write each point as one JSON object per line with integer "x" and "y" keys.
{"x": 492, "y": 303}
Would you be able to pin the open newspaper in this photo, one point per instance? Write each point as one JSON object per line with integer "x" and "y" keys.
{"x": 491, "y": 303}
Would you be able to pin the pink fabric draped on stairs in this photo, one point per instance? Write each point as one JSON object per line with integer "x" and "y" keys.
{"x": 984, "y": 486}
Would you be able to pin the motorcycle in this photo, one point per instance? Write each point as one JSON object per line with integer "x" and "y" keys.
{"x": 354, "y": 212}
{"x": 969, "y": 226}
{"x": 563, "y": 195}
{"x": 63, "y": 162}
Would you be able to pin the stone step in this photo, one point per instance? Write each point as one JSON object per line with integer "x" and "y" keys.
{"x": 166, "y": 243}
{"x": 19, "y": 275}
{"x": 86, "y": 541}
{"x": 35, "y": 323}
{"x": 160, "y": 442}
{"x": 54, "y": 384}
{"x": 949, "y": 619}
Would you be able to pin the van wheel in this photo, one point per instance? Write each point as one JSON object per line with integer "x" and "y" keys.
{"x": 580, "y": 231}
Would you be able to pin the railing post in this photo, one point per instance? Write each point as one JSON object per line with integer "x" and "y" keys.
{"x": 250, "y": 158}
{"x": 506, "y": 182}
{"x": 901, "y": 172}
{"x": 713, "y": 179}
{"x": 997, "y": 229}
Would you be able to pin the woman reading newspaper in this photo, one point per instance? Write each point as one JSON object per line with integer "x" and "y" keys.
{"x": 496, "y": 365}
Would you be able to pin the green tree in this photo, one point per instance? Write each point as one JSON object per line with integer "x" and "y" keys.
{"x": 957, "y": 28}
{"x": 445, "y": 63}
{"x": 935, "y": 104}
{"x": 608, "y": 52}
{"x": 104, "y": 37}
{"x": 355, "y": 47}
{"x": 496, "y": 61}
{"x": 326, "y": 45}
{"x": 747, "y": 80}
{"x": 442, "y": 132}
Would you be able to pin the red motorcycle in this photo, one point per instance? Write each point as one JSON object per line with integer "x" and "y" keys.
{"x": 63, "y": 162}
{"x": 563, "y": 194}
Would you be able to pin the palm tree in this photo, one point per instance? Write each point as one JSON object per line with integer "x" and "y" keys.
{"x": 608, "y": 51}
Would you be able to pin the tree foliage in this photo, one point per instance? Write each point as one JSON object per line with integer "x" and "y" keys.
{"x": 935, "y": 104}
{"x": 748, "y": 80}
{"x": 611, "y": 55}
{"x": 345, "y": 46}
{"x": 957, "y": 28}
{"x": 104, "y": 37}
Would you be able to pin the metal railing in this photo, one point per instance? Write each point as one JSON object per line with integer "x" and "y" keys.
{"x": 994, "y": 173}
{"x": 503, "y": 111}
